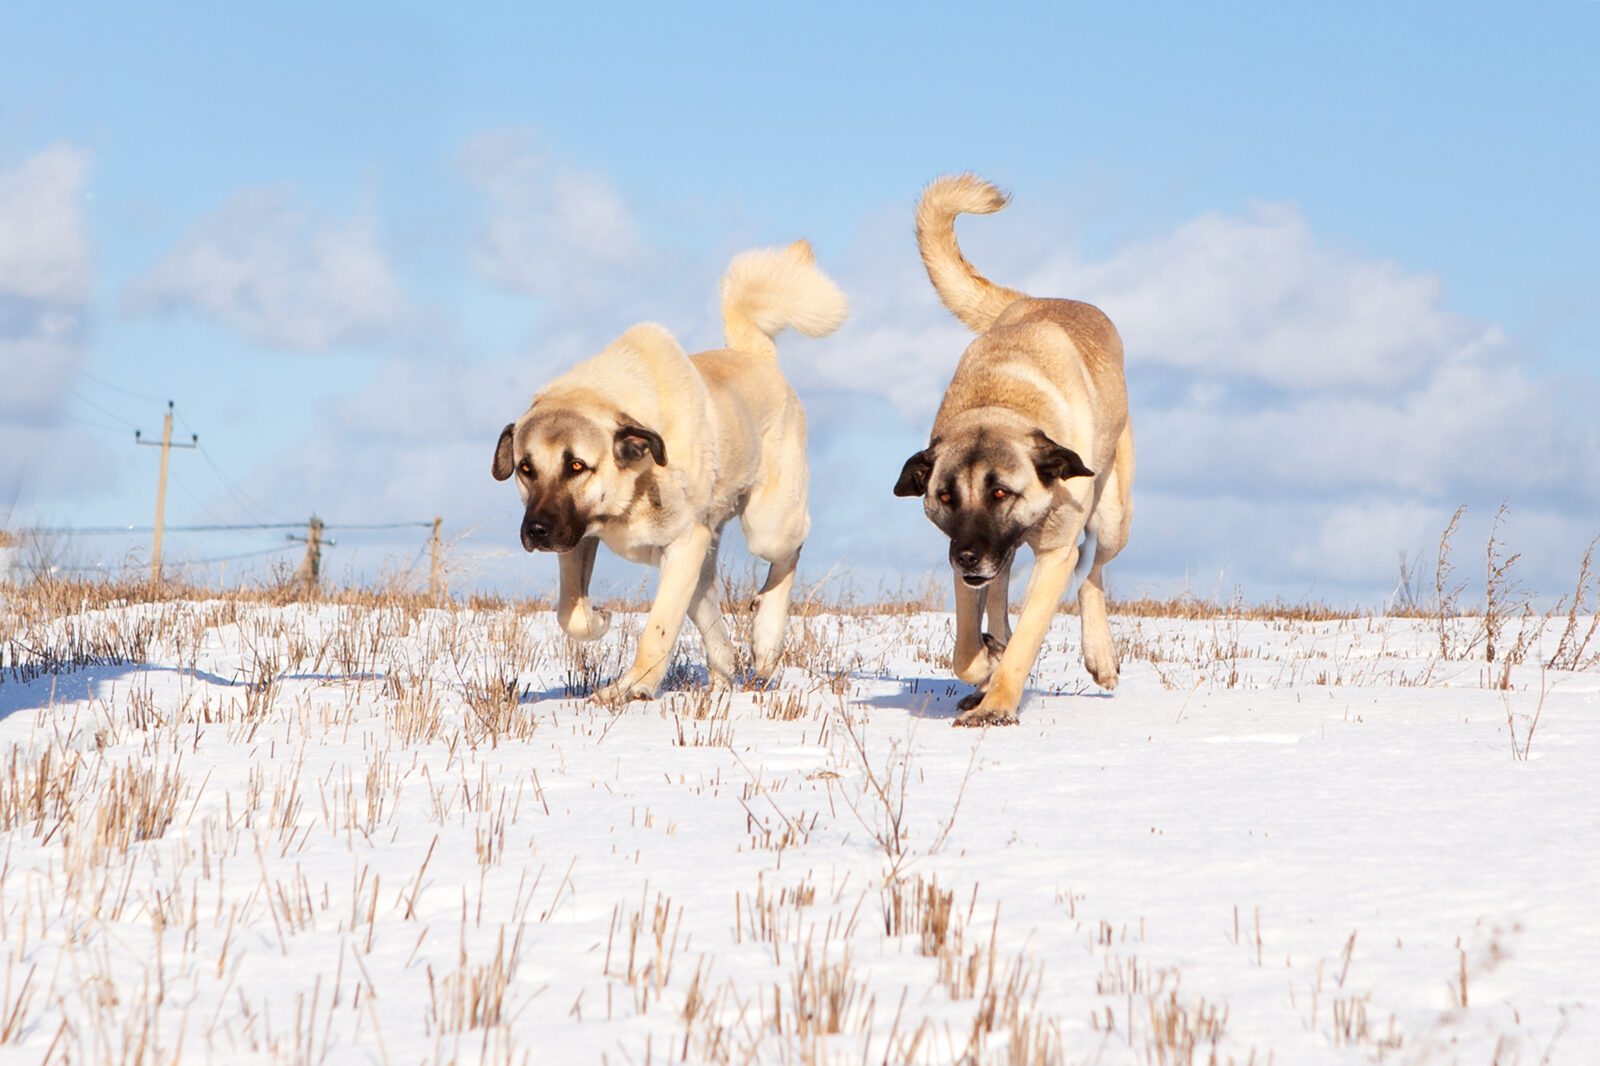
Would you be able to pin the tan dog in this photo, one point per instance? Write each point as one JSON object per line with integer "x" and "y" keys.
{"x": 1032, "y": 445}
{"x": 651, "y": 451}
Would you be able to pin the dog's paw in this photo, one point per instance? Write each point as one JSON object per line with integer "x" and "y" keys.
{"x": 1107, "y": 681}
{"x": 979, "y": 716}
{"x": 981, "y": 709}
{"x": 588, "y": 625}
{"x": 621, "y": 691}
{"x": 1102, "y": 665}
{"x": 759, "y": 681}
{"x": 981, "y": 667}
{"x": 1100, "y": 658}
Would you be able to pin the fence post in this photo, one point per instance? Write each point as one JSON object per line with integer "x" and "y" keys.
{"x": 311, "y": 566}
{"x": 435, "y": 570}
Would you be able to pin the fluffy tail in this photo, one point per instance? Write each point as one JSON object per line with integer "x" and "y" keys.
{"x": 970, "y": 296}
{"x": 768, "y": 290}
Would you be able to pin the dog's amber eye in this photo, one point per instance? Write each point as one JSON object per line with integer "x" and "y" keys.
{"x": 525, "y": 466}
{"x": 999, "y": 494}
{"x": 577, "y": 466}
{"x": 944, "y": 497}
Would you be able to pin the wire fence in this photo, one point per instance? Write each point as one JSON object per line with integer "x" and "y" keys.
{"x": 38, "y": 552}
{"x": 232, "y": 535}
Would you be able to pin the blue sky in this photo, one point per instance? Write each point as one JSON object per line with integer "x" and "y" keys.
{"x": 1354, "y": 251}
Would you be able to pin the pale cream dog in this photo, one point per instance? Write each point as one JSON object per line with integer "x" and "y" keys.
{"x": 1032, "y": 445}
{"x": 651, "y": 451}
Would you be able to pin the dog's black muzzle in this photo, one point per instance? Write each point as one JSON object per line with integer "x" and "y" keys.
{"x": 973, "y": 566}
{"x": 546, "y": 533}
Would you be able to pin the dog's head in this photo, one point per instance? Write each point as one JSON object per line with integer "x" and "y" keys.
{"x": 575, "y": 468}
{"x": 986, "y": 487}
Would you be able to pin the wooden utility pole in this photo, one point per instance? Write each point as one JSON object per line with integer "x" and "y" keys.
{"x": 161, "y": 487}
{"x": 436, "y": 570}
{"x": 311, "y": 566}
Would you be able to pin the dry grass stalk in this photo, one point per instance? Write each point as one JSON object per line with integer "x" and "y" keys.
{"x": 775, "y": 920}
{"x": 920, "y": 908}
{"x": 474, "y": 997}
{"x": 881, "y": 809}
{"x": 1572, "y": 650}
{"x": 1446, "y": 592}
{"x": 136, "y": 804}
{"x": 15, "y": 1002}
{"x": 1505, "y": 598}
{"x": 42, "y": 790}
{"x": 652, "y": 944}
{"x": 1178, "y": 1031}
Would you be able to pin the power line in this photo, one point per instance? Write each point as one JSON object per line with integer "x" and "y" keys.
{"x": 95, "y": 425}
{"x": 245, "y": 505}
{"x": 108, "y": 413}
{"x": 103, "y": 383}
{"x": 382, "y": 525}
{"x": 241, "y": 555}
{"x": 238, "y": 496}
{"x": 187, "y": 491}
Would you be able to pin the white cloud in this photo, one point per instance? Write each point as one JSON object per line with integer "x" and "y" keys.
{"x": 552, "y": 230}
{"x": 44, "y": 244}
{"x": 45, "y": 279}
{"x": 266, "y": 267}
{"x": 1259, "y": 297}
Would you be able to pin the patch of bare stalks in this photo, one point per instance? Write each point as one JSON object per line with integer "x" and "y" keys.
{"x": 1572, "y": 650}
{"x": 1179, "y": 1031}
{"x": 474, "y": 997}
{"x": 136, "y": 804}
{"x": 641, "y": 947}
{"x": 40, "y": 792}
{"x": 1190, "y": 608}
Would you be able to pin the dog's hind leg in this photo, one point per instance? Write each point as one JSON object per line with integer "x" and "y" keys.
{"x": 1099, "y": 649}
{"x": 775, "y": 525}
{"x": 577, "y": 616}
{"x": 1108, "y": 527}
{"x": 772, "y": 614}
{"x": 705, "y": 610}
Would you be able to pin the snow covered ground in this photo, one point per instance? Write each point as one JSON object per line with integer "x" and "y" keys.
{"x": 242, "y": 833}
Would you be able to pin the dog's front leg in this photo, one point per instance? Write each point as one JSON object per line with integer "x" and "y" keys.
{"x": 975, "y": 656}
{"x": 680, "y": 574}
{"x": 1052, "y": 572}
{"x": 577, "y": 616}
{"x": 997, "y": 609}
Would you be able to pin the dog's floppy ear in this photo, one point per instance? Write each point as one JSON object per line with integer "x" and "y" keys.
{"x": 914, "y": 475}
{"x": 632, "y": 443}
{"x": 503, "y": 459}
{"x": 1056, "y": 463}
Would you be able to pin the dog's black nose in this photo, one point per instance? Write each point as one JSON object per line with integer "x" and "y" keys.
{"x": 536, "y": 530}
{"x": 967, "y": 559}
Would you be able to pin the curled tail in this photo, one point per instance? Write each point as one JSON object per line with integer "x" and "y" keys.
{"x": 769, "y": 290}
{"x": 970, "y": 296}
